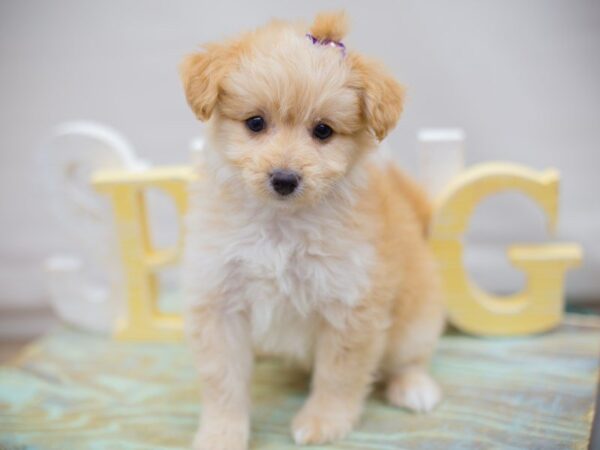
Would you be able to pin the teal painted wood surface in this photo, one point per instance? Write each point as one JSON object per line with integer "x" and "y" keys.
{"x": 73, "y": 390}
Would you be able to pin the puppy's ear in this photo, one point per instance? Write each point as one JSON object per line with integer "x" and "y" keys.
{"x": 381, "y": 95}
{"x": 201, "y": 74}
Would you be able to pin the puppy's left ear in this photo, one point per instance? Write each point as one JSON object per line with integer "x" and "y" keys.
{"x": 201, "y": 74}
{"x": 382, "y": 97}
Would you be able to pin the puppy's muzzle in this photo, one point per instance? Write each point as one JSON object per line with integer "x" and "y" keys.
{"x": 284, "y": 182}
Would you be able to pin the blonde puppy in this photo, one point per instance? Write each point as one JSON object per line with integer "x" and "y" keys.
{"x": 300, "y": 242}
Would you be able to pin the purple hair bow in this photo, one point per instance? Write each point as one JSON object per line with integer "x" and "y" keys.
{"x": 327, "y": 42}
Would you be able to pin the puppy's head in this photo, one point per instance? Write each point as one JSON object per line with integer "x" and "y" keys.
{"x": 291, "y": 113}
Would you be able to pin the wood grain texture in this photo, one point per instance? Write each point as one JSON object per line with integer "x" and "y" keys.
{"x": 79, "y": 391}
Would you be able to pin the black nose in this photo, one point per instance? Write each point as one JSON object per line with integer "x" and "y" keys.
{"x": 284, "y": 182}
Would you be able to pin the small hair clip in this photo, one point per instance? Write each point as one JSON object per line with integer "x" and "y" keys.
{"x": 328, "y": 43}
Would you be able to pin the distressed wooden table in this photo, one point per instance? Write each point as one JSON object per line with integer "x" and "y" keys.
{"x": 73, "y": 390}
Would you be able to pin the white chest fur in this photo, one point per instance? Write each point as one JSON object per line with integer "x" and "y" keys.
{"x": 284, "y": 268}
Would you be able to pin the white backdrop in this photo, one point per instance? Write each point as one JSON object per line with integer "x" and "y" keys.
{"x": 522, "y": 79}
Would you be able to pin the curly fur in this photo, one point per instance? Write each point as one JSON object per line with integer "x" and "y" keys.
{"x": 337, "y": 277}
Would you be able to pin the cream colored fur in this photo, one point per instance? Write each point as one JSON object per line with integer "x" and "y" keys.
{"x": 337, "y": 277}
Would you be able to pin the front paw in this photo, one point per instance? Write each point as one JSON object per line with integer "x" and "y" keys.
{"x": 221, "y": 439}
{"x": 321, "y": 424}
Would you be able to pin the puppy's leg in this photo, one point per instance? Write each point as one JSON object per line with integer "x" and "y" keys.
{"x": 414, "y": 388}
{"x": 418, "y": 323}
{"x": 222, "y": 347}
{"x": 345, "y": 361}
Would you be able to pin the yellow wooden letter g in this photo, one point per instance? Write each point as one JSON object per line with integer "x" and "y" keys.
{"x": 539, "y": 306}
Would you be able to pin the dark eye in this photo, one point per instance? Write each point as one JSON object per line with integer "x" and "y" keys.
{"x": 322, "y": 131}
{"x": 256, "y": 124}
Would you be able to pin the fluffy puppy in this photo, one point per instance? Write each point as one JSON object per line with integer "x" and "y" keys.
{"x": 301, "y": 243}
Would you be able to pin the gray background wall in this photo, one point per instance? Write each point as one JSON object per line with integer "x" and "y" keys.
{"x": 521, "y": 77}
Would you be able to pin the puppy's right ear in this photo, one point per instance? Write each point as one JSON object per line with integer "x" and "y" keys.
{"x": 201, "y": 74}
